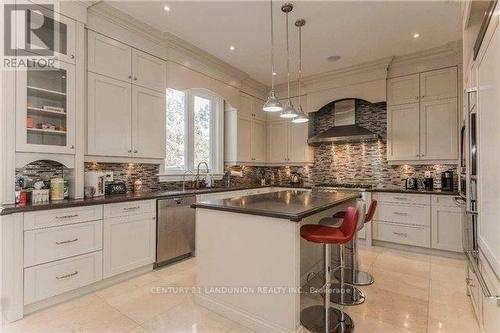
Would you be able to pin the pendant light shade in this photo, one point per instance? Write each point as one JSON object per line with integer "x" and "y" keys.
{"x": 301, "y": 115}
{"x": 272, "y": 104}
{"x": 289, "y": 111}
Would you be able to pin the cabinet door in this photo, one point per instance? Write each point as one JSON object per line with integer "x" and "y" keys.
{"x": 446, "y": 228}
{"x": 403, "y": 90}
{"x": 109, "y": 116}
{"x": 403, "y": 132}
{"x": 439, "y": 84}
{"x": 259, "y": 151}
{"x": 149, "y": 71}
{"x": 278, "y": 146}
{"x": 62, "y": 28}
{"x": 148, "y": 123}
{"x": 257, "y": 109}
{"x": 438, "y": 129}
{"x": 129, "y": 242}
{"x": 46, "y": 104}
{"x": 246, "y": 105}
{"x": 244, "y": 138}
{"x": 298, "y": 149}
{"x": 109, "y": 57}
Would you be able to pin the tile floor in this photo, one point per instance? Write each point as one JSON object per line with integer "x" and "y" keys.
{"x": 412, "y": 293}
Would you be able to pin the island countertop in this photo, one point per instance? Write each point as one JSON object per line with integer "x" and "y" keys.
{"x": 288, "y": 204}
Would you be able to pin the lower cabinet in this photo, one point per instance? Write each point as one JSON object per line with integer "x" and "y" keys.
{"x": 44, "y": 281}
{"x": 129, "y": 242}
{"x": 432, "y": 221}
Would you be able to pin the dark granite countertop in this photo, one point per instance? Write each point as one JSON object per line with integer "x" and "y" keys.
{"x": 11, "y": 209}
{"x": 287, "y": 204}
{"x": 421, "y": 191}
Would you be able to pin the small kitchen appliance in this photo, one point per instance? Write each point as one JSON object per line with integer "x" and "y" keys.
{"x": 116, "y": 187}
{"x": 96, "y": 180}
{"x": 447, "y": 181}
{"x": 411, "y": 184}
{"x": 429, "y": 183}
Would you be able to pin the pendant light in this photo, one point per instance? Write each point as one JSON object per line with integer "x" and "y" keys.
{"x": 288, "y": 111}
{"x": 272, "y": 104}
{"x": 302, "y": 116}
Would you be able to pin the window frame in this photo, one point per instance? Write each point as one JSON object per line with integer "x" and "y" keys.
{"x": 216, "y": 161}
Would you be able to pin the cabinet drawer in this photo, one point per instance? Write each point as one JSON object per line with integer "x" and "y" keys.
{"x": 402, "y": 234}
{"x": 49, "y": 244}
{"x": 445, "y": 200}
{"x": 404, "y": 214}
{"x": 130, "y": 208}
{"x": 415, "y": 199}
{"x": 55, "y": 278}
{"x": 58, "y": 217}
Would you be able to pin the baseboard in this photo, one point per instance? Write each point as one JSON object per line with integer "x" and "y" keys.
{"x": 242, "y": 317}
{"x": 30, "y": 308}
{"x": 420, "y": 250}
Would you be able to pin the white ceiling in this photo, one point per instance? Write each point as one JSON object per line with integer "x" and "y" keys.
{"x": 358, "y": 31}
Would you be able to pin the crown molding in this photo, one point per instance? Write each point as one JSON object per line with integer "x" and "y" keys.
{"x": 177, "y": 48}
{"x": 452, "y": 48}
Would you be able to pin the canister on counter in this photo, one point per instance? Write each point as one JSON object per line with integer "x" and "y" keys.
{"x": 137, "y": 186}
{"x": 57, "y": 189}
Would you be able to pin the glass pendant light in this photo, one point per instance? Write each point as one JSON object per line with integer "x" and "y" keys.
{"x": 272, "y": 104}
{"x": 289, "y": 110}
{"x": 302, "y": 116}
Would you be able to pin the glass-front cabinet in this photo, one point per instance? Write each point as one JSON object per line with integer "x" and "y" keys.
{"x": 45, "y": 105}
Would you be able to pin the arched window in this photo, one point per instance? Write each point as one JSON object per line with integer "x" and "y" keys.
{"x": 194, "y": 131}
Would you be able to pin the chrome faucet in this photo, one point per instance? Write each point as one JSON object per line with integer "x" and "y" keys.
{"x": 184, "y": 178}
{"x": 197, "y": 179}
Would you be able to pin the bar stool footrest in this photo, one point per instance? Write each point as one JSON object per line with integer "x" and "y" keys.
{"x": 359, "y": 278}
{"x": 313, "y": 319}
{"x": 348, "y": 295}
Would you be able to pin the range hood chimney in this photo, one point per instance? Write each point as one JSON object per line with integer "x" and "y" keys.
{"x": 345, "y": 128}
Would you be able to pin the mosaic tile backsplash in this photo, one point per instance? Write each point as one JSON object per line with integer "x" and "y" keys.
{"x": 357, "y": 163}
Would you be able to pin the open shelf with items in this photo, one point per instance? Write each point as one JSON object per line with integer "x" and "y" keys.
{"x": 45, "y": 114}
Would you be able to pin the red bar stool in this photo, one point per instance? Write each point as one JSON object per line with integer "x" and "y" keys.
{"x": 326, "y": 319}
{"x": 353, "y": 275}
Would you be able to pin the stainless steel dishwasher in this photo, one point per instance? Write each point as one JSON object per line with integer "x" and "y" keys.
{"x": 175, "y": 229}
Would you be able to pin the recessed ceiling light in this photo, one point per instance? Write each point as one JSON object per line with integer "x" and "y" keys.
{"x": 166, "y": 8}
{"x": 333, "y": 58}
{"x": 274, "y": 73}
{"x": 416, "y": 35}
{"x": 232, "y": 48}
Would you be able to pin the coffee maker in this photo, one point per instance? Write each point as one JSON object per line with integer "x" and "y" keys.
{"x": 447, "y": 181}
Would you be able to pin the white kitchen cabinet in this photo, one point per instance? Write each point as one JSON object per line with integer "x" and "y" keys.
{"x": 246, "y": 105}
{"x": 438, "y": 84}
{"x": 245, "y": 139}
{"x": 403, "y": 90}
{"x": 446, "y": 228}
{"x": 257, "y": 106}
{"x": 109, "y": 57}
{"x": 148, "y": 123}
{"x": 439, "y": 129}
{"x": 109, "y": 121}
{"x": 149, "y": 71}
{"x": 258, "y": 142}
{"x": 423, "y": 130}
{"x": 403, "y": 132}
{"x": 287, "y": 143}
{"x": 45, "y": 109}
{"x": 129, "y": 243}
{"x": 277, "y": 142}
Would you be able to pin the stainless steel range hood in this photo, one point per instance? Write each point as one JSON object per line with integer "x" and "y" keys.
{"x": 345, "y": 128}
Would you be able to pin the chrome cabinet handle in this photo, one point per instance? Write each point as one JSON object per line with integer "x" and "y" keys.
{"x": 135, "y": 150}
{"x": 418, "y": 155}
{"x": 130, "y": 150}
{"x": 66, "y": 216}
{"x": 135, "y": 78}
{"x": 72, "y": 56}
{"x": 67, "y": 275}
{"x": 471, "y": 212}
{"x": 131, "y": 208}
{"x": 72, "y": 147}
{"x": 401, "y": 234}
{"x": 130, "y": 77}
{"x": 401, "y": 214}
{"x": 67, "y": 241}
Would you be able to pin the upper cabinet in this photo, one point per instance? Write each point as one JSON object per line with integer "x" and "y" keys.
{"x": 126, "y": 100}
{"x": 287, "y": 143}
{"x": 45, "y": 115}
{"x": 423, "y": 128}
{"x": 403, "y": 90}
{"x": 103, "y": 55}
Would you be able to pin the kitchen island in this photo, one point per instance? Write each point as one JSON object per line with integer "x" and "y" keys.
{"x": 251, "y": 259}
